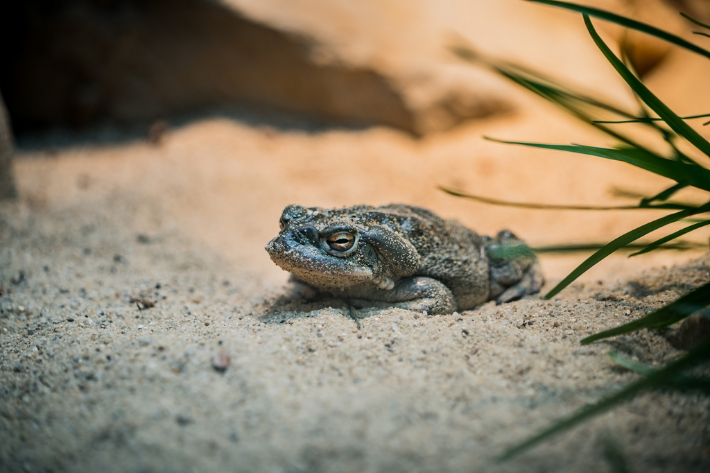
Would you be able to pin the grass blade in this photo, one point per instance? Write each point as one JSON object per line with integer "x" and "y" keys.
{"x": 693, "y": 20}
{"x": 631, "y": 365}
{"x": 614, "y": 245}
{"x": 525, "y": 205}
{"x": 657, "y": 244}
{"x": 664, "y": 195}
{"x": 677, "y": 383}
{"x": 646, "y": 120}
{"x": 663, "y": 317}
{"x": 652, "y": 381}
{"x": 576, "y": 104}
{"x": 628, "y": 23}
{"x": 671, "y": 119}
{"x": 585, "y": 247}
{"x": 682, "y": 173}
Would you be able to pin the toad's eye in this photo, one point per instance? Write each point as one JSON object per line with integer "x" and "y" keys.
{"x": 341, "y": 241}
{"x": 281, "y": 225}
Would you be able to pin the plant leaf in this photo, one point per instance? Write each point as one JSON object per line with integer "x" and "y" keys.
{"x": 679, "y": 382}
{"x": 614, "y": 245}
{"x": 576, "y": 104}
{"x": 678, "y": 310}
{"x": 682, "y": 173}
{"x": 660, "y": 377}
{"x": 631, "y": 365}
{"x": 657, "y": 244}
{"x": 628, "y": 23}
{"x": 694, "y": 21}
{"x": 646, "y": 120}
{"x": 671, "y": 119}
{"x": 525, "y": 205}
{"x": 664, "y": 195}
{"x": 583, "y": 247}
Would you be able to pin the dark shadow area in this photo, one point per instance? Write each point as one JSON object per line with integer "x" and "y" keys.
{"x": 81, "y": 63}
{"x": 109, "y": 133}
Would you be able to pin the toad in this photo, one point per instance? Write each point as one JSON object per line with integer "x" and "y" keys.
{"x": 402, "y": 256}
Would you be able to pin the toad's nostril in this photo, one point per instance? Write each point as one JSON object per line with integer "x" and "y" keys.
{"x": 310, "y": 233}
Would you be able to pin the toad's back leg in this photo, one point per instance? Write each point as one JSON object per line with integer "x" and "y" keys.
{"x": 514, "y": 270}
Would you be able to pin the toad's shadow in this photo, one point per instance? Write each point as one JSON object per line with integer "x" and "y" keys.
{"x": 305, "y": 302}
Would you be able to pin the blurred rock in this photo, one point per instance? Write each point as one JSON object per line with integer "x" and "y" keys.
{"x": 83, "y": 61}
{"x": 7, "y": 184}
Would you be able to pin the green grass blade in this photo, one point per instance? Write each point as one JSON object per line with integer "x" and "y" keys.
{"x": 586, "y": 247}
{"x": 677, "y": 383}
{"x": 657, "y": 244}
{"x": 614, "y": 245}
{"x": 690, "y": 384}
{"x": 645, "y": 205}
{"x": 671, "y": 119}
{"x": 525, "y": 205}
{"x": 578, "y": 105}
{"x": 628, "y": 23}
{"x": 631, "y": 365}
{"x": 539, "y": 84}
{"x": 681, "y": 308}
{"x": 664, "y": 195}
{"x": 658, "y": 378}
{"x": 646, "y": 120}
{"x": 682, "y": 173}
{"x": 693, "y": 20}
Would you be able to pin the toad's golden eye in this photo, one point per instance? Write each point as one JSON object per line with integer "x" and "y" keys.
{"x": 341, "y": 241}
{"x": 281, "y": 225}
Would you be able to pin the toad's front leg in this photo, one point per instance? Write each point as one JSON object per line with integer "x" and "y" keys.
{"x": 417, "y": 293}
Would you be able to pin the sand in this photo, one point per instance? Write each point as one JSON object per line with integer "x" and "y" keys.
{"x": 91, "y": 382}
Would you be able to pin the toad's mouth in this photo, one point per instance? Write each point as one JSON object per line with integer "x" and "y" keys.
{"x": 314, "y": 265}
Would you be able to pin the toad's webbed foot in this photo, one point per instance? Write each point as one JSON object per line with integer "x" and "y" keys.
{"x": 514, "y": 270}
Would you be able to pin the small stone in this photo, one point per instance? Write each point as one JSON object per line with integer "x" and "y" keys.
{"x": 220, "y": 361}
{"x": 183, "y": 421}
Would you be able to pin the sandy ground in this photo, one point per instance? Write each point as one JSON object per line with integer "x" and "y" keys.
{"x": 89, "y": 382}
